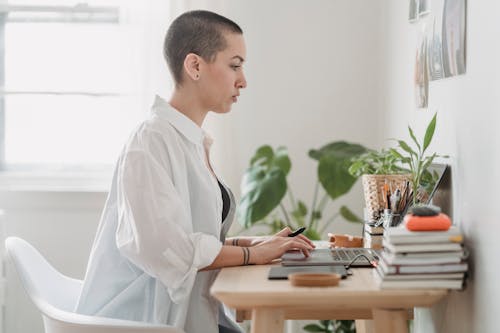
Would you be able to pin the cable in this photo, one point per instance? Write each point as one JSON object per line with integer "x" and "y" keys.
{"x": 373, "y": 263}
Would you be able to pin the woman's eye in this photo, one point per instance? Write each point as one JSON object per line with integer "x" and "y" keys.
{"x": 235, "y": 67}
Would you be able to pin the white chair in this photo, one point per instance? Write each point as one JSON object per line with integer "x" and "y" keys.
{"x": 55, "y": 295}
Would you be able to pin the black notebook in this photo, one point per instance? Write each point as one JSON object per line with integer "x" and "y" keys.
{"x": 281, "y": 272}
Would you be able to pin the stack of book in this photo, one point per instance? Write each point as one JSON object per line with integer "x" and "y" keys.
{"x": 422, "y": 259}
{"x": 373, "y": 236}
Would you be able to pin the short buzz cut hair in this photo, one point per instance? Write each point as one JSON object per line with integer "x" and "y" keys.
{"x": 199, "y": 32}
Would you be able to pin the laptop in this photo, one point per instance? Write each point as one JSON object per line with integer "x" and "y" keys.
{"x": 282, "y": 272}
{"x": 332, "y": 257}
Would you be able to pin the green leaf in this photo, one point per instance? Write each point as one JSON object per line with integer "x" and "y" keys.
{"x": 349, "y": 215}
{"x": 316, "y": 215}
{"x": 263, "y": 155}
{"x": 334, "y": 176}
{"x": 396, "y": 153}
{"x": 281, "y": 160}
{"x": 414, "y": 138}
{"x": 333, "y": 167}
{"x": 312, "y": 234}
{"x": 341, "y": 148}
{"x": 429, "y": 133}
{"x": 406, "y": 147}
{"x": 313, "y": 328}
{"x": 314, "y": 154}
{"x": 277, "y": 225}
{"x": 302, "y": 209}
{"x": 262, "y": 191}
{"x": 427, "y": 162}
{"x": 325, "y": 323}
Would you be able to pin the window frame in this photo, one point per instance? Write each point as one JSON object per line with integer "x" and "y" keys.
{"x": 78, "y": 13}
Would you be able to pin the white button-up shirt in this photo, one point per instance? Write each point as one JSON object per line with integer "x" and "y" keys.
{"x": 161, "y": 224}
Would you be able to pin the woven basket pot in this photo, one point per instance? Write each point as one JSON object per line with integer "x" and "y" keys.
{"x": 372, "y": 189}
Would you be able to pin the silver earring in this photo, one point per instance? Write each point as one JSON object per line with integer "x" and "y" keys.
{"x": 197, "y": 76}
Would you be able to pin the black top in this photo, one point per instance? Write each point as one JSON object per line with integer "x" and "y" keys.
{"x": 226, "y": 201}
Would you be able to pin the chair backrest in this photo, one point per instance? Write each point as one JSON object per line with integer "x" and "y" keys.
{"x": 45, "y": 286}
{"x": 55, "y": 295}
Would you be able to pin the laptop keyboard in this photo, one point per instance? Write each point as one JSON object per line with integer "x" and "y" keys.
{"x": 343, "y": 255}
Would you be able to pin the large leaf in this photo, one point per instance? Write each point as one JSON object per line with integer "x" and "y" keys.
{"x": 429, "y": 132}
{"x": 314, "y": 328}
{"x": 265, "y": 156}
{"x": 262, "y": 156}
{"x": 261, "y": 191}
{"x": 333, "y": 167}
{"x": 349, "y": 215}
{"x": 281, "y": 160}
{"x": 342, "y": 149}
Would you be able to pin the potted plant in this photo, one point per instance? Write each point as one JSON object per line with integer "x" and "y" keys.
{"x": 379, "y": 171}
{"x": 402, "y": 167}
{"x": 422, "y": 180}
{"x": 264, "y": 187}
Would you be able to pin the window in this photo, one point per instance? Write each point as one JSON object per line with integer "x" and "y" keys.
{"x": 71, "y": 87}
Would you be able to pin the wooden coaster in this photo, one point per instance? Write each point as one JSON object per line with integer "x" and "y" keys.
{"x": 314, "y": 279}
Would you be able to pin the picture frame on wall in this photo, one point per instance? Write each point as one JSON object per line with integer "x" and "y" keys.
{"x": 434, "y": 42}
{"x": 421, "y": 80}
{"x": 453, "y": 32}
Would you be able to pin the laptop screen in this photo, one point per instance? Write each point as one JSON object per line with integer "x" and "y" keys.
{"x": 440, "y": 188}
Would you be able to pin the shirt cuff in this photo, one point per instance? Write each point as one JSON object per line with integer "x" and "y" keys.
{"x": 206, "y": 248}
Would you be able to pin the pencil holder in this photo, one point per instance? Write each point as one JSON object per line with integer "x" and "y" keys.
{"x": 390, "y": 219}
{"x": 372, "y": 190}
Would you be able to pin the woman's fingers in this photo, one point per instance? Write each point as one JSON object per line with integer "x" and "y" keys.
{"x": 299, "y": 244}
{"x": 307, "y": 240}
{"x": 284, "y": 232}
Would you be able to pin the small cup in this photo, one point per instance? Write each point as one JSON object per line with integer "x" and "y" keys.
{"x": 337, "y": 240}
{"x": 314, "y": 279}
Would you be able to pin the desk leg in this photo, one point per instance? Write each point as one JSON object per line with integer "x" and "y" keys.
{"x": 267, "y": 320}
{"x": 364, "y": 326}
{"x": 390, "y": 321}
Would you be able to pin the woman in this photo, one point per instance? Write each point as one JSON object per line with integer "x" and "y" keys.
{"x": 161, "y": 238}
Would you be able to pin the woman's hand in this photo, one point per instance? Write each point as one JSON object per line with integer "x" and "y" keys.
{"x": 274, "y": 247}
{"x": 286, "y": 231}
{"x": 283, "y": 233}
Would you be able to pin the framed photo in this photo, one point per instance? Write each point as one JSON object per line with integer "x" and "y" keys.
{"x": 454, "y": 37}
{"x": 421, "y": 79}
{"x": 435, "y": 44}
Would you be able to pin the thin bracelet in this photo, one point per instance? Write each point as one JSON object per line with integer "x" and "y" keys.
{"x": 246, "y": 256}
{"x": 235, "y": 241}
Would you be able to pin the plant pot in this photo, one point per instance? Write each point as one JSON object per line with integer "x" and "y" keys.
{"x": 372, "y": 189}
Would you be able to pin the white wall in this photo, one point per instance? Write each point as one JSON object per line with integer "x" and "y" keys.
{"x": 313, "y": 77}
{"x": 468, "y": 118}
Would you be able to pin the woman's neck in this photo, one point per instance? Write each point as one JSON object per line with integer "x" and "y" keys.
{"x": 184, "y": 102}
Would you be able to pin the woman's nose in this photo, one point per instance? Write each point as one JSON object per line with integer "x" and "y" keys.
{"x": 242, "y": 82}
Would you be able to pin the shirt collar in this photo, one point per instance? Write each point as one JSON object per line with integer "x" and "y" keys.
{"x": 183, "y": 124}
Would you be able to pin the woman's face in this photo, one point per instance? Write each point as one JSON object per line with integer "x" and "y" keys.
{"x": 223, "y": 78}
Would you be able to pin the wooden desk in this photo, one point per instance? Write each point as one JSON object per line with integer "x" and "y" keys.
{"x": 248, "y": 290}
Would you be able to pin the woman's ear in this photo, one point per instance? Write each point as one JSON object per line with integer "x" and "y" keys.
{"x": 192, "y": 66}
